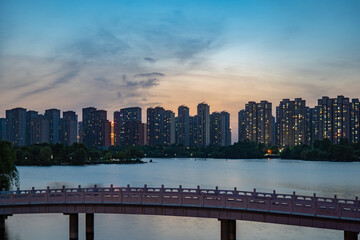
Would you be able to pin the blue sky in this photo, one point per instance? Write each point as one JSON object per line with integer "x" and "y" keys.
{"x": 114, "y": 54}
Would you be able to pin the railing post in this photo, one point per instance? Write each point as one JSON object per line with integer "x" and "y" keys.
{"x": 180, "y": 192}
{"x": 63, "y": 190}
{"x": 315, "y": 204}
{"x": 336, "y": 205}
{"x": 162, "y": 194}
{"x": 29, "y": 195}
{"x": 293, "y": 201}
{"x": 47, "y": 194}
{"x": 181, "y": 195}
{"x": 84, "y": 195}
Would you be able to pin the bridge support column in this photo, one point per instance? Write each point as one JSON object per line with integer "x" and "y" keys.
{"x": 74, "y": 226}
{"x": 351, "y": 235}
{"x": 2, "y": 223}
{"x": 89, "y": 226}
{"x": 2, "y": 227}
{"x": 228, "y": 229}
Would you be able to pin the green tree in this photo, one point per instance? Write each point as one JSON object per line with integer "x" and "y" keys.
{"x": 79, "y": 157}
{"x": 8, "y": 171}
{"x": 45, "y": 154}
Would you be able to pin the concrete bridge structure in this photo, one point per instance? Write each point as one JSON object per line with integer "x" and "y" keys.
{"x": 225, "y": 205}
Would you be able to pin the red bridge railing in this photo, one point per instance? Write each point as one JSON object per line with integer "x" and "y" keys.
{"x": 193, "y": 197}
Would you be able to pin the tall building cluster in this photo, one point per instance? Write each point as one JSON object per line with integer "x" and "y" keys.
{"x": 332, "y": 118}
{"x": 162, "y": 128}
{"x": 295, "y": 123}
{"x": 22, "y": 127}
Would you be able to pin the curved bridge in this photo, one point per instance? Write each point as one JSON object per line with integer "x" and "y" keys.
{"x": 225, "y": 205}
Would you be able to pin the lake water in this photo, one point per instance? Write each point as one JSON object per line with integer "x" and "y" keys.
{"x": 285, "y": 176}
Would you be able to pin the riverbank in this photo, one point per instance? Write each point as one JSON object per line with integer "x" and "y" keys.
{"x": 83, "y": 164}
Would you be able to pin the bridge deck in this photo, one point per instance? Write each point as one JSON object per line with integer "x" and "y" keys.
{"x": 292, "y": 209}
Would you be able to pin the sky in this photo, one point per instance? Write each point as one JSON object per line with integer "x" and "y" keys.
{"x": 122, "y": 53}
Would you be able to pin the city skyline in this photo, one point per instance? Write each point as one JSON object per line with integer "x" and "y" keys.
{"x": 233, "y": 118}
{"x": 52, "y": 54}
{"x": 295, "y": 123}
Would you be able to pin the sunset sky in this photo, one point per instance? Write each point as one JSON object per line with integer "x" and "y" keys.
{"x": 114, "y": 54}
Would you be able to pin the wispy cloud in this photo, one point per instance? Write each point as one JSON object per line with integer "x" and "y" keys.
{"x": 143, "y": 84}
{"x": 150, "y": 60}
{"x": 152, "y": 74}
{"x": 67, "y": 75}
{"x": 98, "y": 46}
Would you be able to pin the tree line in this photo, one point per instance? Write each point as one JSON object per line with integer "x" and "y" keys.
{"x": 239, "y": 150}
{"x": 324, "y": 151}
{"x": 75, "y": 154}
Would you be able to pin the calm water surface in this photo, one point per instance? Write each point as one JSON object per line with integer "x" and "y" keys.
{"x": 285, "y": 176}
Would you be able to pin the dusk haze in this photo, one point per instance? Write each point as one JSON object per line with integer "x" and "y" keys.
{"x": 179, "y": 119}
{"x": 73, "y": 54}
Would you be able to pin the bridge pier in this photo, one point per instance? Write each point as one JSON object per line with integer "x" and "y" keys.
{"x": 228, "y": 229}
{"x": 2, "y": 223}
{"x": 351, "y": 235}
{"x": 74, "y": 226}
{"x": 89, "y": 226}
{"x": 2, "y": 227}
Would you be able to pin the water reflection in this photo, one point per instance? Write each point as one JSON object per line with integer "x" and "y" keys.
{"x": 324, "y": 178}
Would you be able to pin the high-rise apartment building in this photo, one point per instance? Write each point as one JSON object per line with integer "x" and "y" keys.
{"x": 324, "y": 111}
{"x": 203, "y": 125}
{"x": 2, "y": 129}
{"x": 102, "y": 129}
{"x": 334, "y": 118}
{"x": 193, "y": 130}
{"x": 88, "y": 126}
{"x": 217, "y": 128}
{"x": 69, "y": 128}
{"x": 96, "y": 128}
{"x": 80, "y": 132}
{"x": 311, "y": 126}
{"x": 291, "y": 122}
{"x": 183, "y": 126}
{"x": 160, "y": 127}
{"x": 355, "y": 121}
{"x": 341, "y": 110}
{"x": 121, "y": 118}
{"x": 135, "y": 133}
{"x": 273, "y": 139}
{"x": 241, "y": 126}
{"x": 264, "y": 122}
{"x": 227, "y": 130}
{"x": 16, "y": 126}
{"x": 255, "y": 122}
{"x": 53, "y": 116}
{"x": 32, "y": 128}
{"x": 220, "y": 132}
